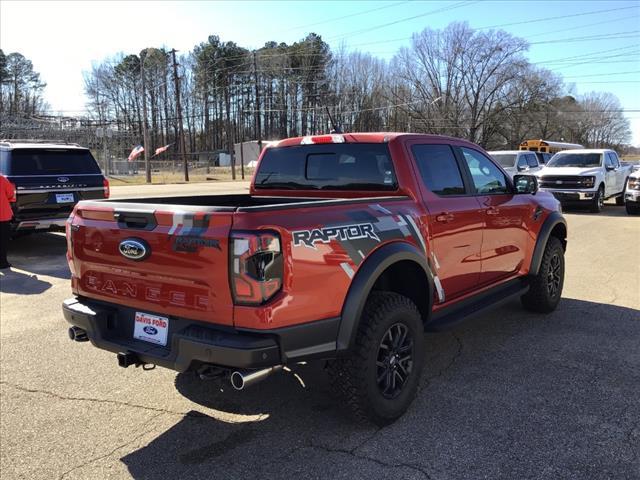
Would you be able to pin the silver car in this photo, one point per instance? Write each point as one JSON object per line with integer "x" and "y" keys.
{"x": 516, "y": 161}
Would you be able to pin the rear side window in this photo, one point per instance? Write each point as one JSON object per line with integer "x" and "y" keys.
{"x": 59, "y": 161}
{"x": 346, "y": 166}
{"x": 438, "y": 168}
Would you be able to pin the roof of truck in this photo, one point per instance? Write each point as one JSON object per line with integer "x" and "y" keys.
{"x": 584, "y": 151}
{"x": 355, "y": 137}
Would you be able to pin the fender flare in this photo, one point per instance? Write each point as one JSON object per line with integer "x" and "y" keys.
{"x": 554, "y": 219}
{"x": 364, "y": 280}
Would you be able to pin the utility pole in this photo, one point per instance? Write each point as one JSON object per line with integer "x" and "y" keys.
{"x": 229, "y": 139}
{"x": 183, "y": 149}
{"x": 145, "y": 133}
{"x": 258, "y": 122}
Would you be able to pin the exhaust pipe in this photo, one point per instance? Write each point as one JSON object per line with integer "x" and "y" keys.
{"x": 242, "y": 379}
{"x": 77, "y": 334}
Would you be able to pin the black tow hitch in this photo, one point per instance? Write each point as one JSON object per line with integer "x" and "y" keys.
{"x": 129, "y": 358}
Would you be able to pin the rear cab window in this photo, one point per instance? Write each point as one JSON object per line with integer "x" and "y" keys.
{"x": 346, "y": 166}
{"x": 507, "y": 160}
{"x": 51, "y": 161}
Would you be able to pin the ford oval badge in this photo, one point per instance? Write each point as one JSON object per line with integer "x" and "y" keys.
{"x": 134, "y": 249}
{"x": 63, "y": 179}
{"x": 150, "y": 330}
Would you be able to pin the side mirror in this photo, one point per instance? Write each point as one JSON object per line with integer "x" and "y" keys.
{"x": 523, "y": 168}
{"x": 525, "y": 184}
{"x": 609, "y": 167}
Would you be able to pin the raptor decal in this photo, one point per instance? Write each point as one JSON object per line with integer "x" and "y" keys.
{"x": 339, "y": 232}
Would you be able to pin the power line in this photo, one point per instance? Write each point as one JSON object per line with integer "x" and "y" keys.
{"x": 533, "y": 20}
{"x": 344, "y": 17}
{"x": 395, "y": 22}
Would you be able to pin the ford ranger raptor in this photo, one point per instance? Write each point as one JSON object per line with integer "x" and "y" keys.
{"x": 346, "y": 248}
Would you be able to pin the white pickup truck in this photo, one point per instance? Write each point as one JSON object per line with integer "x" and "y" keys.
{"x": 580, "y": 176}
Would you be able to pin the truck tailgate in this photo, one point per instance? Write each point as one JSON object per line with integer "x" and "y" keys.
{"x": 166, "y": 262}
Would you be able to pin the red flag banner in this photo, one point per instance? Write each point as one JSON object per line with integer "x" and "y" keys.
{"x": 160, "y": 150}
{"x": 135, "y": 153}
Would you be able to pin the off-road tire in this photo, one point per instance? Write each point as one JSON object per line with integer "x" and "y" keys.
{"x": 356, "y": 377}
{"x": 545, "y": 289}
{"x": 597, "y": 204}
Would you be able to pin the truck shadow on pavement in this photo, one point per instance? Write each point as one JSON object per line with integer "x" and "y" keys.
{"x": 40, "y": 253}
{"x": 12, "y": 281}
{"x": 508, "y": 395}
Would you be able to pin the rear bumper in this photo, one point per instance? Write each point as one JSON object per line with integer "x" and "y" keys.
{"x": 44, "y": 224}
{"x": 191, "y": 344}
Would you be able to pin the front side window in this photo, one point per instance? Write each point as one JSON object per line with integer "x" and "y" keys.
{"x": 439, "y": 169}
{"x": 613, "y": 159}
{"x": 522, "y": 161}
{"x": 531, "y": 161}
{"x": 487, "y": 178}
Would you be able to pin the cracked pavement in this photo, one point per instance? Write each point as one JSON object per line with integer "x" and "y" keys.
{"x": 507, "y": 395}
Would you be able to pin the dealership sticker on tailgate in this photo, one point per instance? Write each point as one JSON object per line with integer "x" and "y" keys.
{"x": 151, "y": 328}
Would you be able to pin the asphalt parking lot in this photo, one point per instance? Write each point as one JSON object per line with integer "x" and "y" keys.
{"x": 507, "y": 395}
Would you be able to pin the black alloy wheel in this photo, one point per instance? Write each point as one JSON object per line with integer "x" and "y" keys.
{"x": 554, "y": 275}
{"x": 394, "y": 361}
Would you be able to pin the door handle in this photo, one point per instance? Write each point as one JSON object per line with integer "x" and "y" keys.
{"x": 493, "y": 211}
{"x": 445, "y": 217}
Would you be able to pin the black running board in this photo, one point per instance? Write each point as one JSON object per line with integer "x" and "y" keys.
{"x": 487, "y": 300}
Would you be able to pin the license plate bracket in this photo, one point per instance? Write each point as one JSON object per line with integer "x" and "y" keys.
{"x": 64, "y": 198}
{"x": 151, "y": 328}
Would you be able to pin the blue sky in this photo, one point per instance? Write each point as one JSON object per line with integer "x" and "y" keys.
{"x": 64, "y": 38}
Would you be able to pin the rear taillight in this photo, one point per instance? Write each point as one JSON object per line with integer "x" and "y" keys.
{"x": 69, "y": 228}
{"x": 256, "y": 266}
{"x": 105, "y": 184}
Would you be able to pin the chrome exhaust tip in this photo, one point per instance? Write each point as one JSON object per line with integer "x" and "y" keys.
{"x": 241, "y": 379}
{"x": 77, "y": 334}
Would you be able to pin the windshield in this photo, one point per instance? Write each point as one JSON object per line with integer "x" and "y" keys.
{"x": 44, "y": 161}
{"x": 346, "y": 166}
{"x": 575, "y": 160}
{"x": 505, "y": 159}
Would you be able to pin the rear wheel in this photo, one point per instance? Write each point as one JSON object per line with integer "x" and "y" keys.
{"x": 379, "y": 377}
{"x": 545, "y": 288}
{"x": 597, "y": 204}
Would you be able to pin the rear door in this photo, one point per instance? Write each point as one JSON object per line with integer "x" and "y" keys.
{"x": 505, "y": 236}
{"x": 620, "y": 172}
{"x": 49, "y": 182}
{"x": 454, "y": 218}
{"x": 157, "y": 259}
